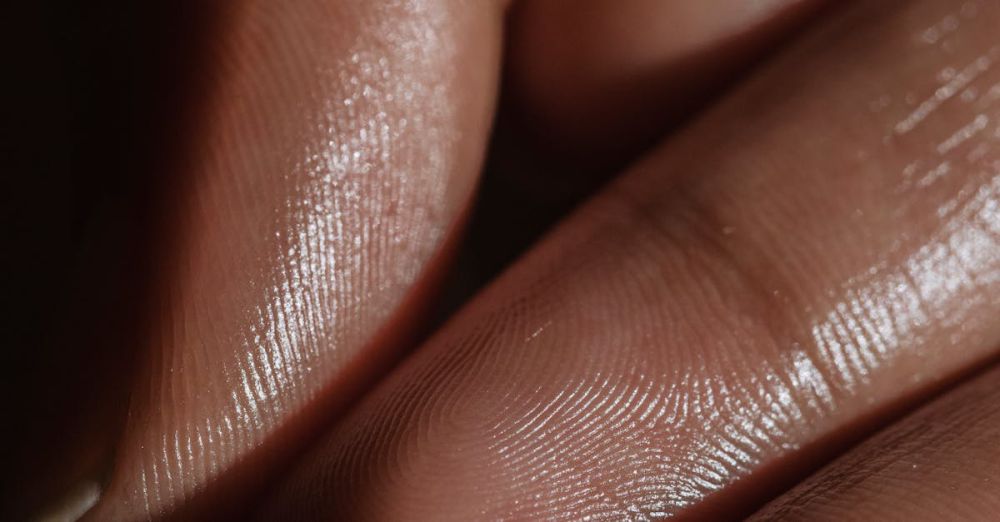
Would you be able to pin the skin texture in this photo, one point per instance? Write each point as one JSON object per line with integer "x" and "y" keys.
{"x": 338, "y": 148}
{"x": 822, "y": 245}
{"x": 313, "y": 177}
{"x": 938, "y": 464}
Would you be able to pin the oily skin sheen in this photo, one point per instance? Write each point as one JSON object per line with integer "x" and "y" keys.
{"x": 332, "y": 171}
{"x": 336, "y": 152}
{"x": 822, "y": 245}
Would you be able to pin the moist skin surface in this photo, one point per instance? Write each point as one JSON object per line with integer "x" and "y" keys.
{"x": 822, "y": 245}
{"x": 331, "y": 169}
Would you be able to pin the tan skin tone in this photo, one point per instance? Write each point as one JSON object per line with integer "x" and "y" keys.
{"x": 814, "y": 254}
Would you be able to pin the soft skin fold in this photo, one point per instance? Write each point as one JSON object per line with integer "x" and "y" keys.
{"x": 600, "y": 80}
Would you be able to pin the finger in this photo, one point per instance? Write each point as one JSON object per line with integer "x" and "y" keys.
{"x": 590, "y": 85}
{"x": 599, "y": 80}
{"x": 338, "y": 148}
{"x": 938, "y": 464}
{"x": 86, "y": 253}
{"x": 822, "y": 246}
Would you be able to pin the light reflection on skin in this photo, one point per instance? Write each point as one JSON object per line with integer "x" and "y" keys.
{"x": 699, "y": 434}
{"x": 693, "y": 429}
{"x": 881, "y": 313}
{"x": 705, "y": 430}
{"x": 365, "y": 177}
{"x": 885, "y": 309}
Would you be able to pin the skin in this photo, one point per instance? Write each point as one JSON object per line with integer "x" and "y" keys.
{"x": 602, "y": 80}
{"x": 726, "y": 315}
{"x": 940, "y": 463}
{"x": 738, "y": 298}
{"x": 335, "y": 162}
